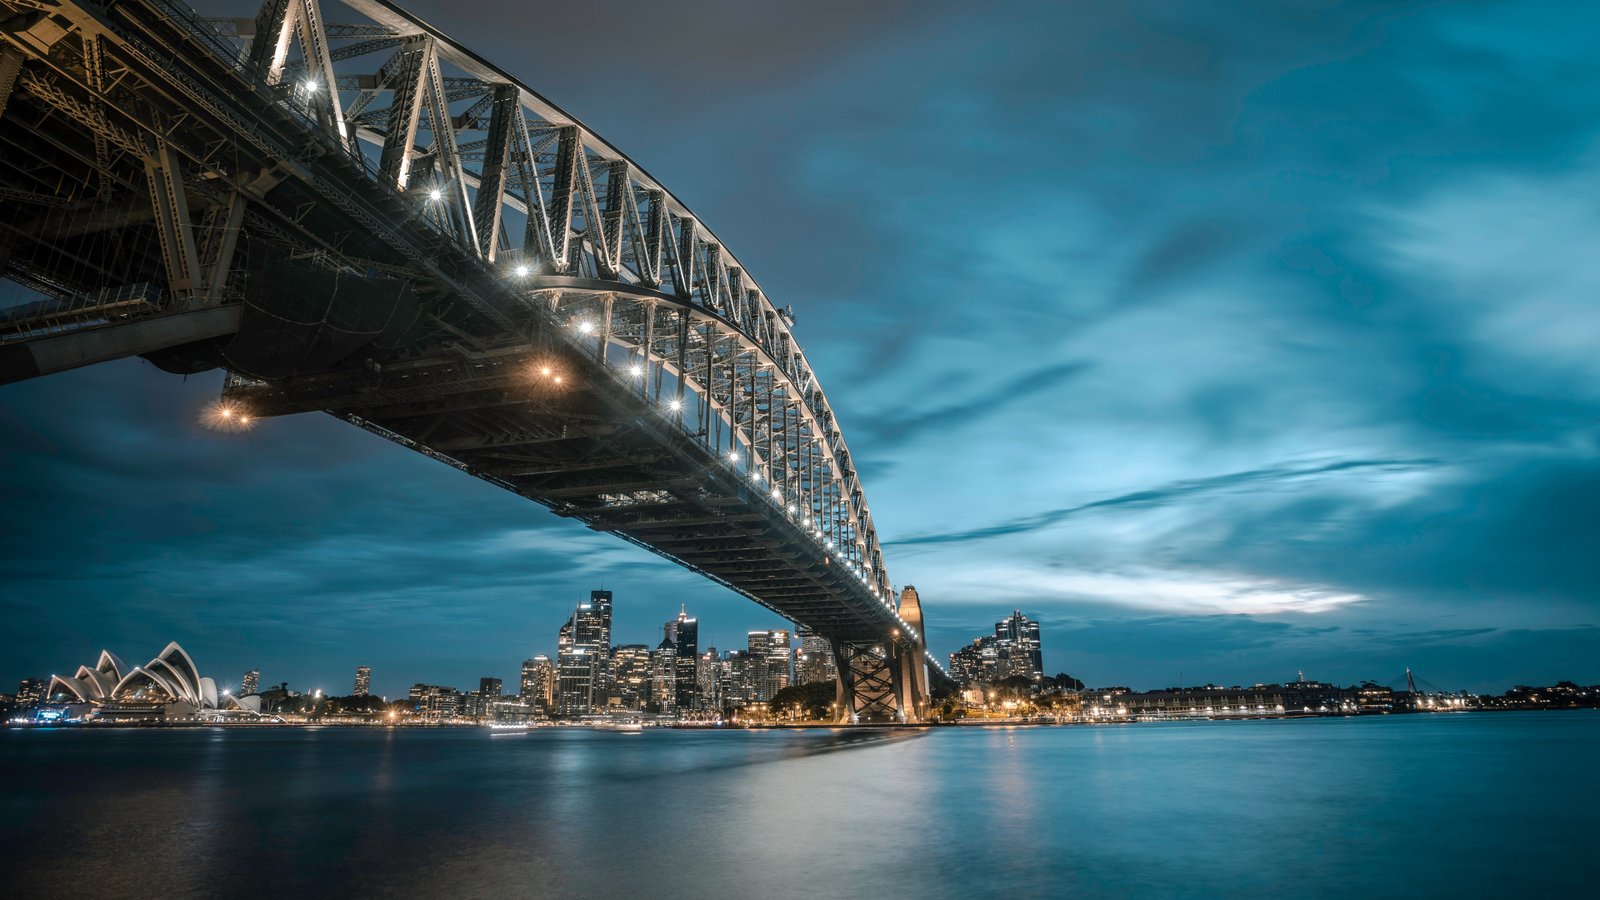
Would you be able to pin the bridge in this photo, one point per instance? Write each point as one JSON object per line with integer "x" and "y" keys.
{"x": 367, "y": 219}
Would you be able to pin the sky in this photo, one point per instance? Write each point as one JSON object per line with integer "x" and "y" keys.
{"x": 1227, "y": 340}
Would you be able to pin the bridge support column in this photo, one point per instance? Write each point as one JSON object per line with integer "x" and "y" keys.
{"x": 878, "y": 684}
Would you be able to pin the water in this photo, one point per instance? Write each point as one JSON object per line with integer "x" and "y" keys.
{"x": 1445, "y": 805}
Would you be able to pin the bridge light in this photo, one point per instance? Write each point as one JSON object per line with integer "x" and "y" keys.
{"x": 586, "y": 326}
{"x": 636, "y": 370}
{"x": 733, "y": 456}
{"x": 558, "y": 379}
{"x": 435, "y": 195}
{"x": 521, "y": 271}
{"x": 676, "y": 404}
{"x": 309, "y": 85}
{"x": 545, "y": 371}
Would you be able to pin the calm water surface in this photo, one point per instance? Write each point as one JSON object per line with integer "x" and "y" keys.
{"x": 1486, "y": 805}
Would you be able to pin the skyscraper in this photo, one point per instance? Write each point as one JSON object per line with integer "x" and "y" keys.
{"x": 363, "y": 681}
{"x": 539, "y": 682}
{"x": 489, "y": 690}
{"x": 1019, "y": 646}
{"x": 600, "y": 606}
{"x": 683, "y": 633}
{"x": 664, "y": 677}
{"x": 583, "y": 659}
{"x": 708, "y": 683}
{"x": 251, "y": 683}
{"x": 630, "y": 669}
{"x": 814, "y": 660}
{"x": 771, "y": 660}
{"x": 1012, "y": 650}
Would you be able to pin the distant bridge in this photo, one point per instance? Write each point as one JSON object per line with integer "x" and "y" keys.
{"x": 368, "y": 219}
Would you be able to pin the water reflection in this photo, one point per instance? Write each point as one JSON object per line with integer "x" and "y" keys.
{"x": 1352, "y": 808}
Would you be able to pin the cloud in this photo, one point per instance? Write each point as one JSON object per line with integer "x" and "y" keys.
{"x": 1167, "y": 494}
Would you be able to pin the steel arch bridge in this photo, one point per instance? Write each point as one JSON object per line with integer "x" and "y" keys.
{"x": 368, "y": 219}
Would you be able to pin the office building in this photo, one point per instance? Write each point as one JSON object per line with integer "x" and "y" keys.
{"x": 683, "y": 634}
{"x": 772, "y": 674}
{"x": 539, "y": 682}
{"x": 1013, "y": 650}
{"x": 250, "y": 683}
{"x": 490, "y": 690}
{"x": 813, "y": 660}
{"x": 664, "y": 678}
{"x": 630, "y": 668}
{"x": 363, "y": 681}
{"x": 583, "y": 662}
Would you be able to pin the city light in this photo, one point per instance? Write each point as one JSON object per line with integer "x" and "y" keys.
{"x": 226, "y": 415}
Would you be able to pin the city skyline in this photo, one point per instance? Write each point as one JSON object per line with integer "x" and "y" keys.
{"x": 1274, "y": 400}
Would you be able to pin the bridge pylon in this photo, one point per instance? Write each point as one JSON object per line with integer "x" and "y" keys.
{"x": 885, "y": 682}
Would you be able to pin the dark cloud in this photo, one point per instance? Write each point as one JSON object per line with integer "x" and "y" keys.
{"x": 1167, "y": 494}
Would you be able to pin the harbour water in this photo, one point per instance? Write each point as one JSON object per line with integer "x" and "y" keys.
{"x": 1468, "y": 805}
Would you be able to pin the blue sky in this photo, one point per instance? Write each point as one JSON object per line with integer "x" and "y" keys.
{"x": 1228, "y": 340}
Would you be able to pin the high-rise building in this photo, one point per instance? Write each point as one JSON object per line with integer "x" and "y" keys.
{"x": 683, "y": 634}
{"x": 630, "y": 670}
{"x": 664, "y": 678}
{"x": 1019, "y": 646}
{"x": 363, "y": 681}
{"x": 772, "y": 649}
{"x": 30, "y": 692}
{"x": 739, "y": 672}
{"x": 489, "y": 690}
{"x": 1013, "y": 650}
{"x": 707, "y": 668}
{"x": 251, "y": 682}
{"x": 814, "y": 660}
{"x": 583, "y": 661}
{"x": 600, "y": 606}
{"x": 539, "y": 682}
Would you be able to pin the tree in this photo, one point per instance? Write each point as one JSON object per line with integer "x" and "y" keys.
{"x": 815, "y": 700}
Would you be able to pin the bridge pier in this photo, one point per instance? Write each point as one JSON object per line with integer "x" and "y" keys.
{"x": 885, "y": 682}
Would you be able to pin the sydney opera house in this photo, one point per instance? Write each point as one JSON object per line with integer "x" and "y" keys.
{"x": 168, "y": 687}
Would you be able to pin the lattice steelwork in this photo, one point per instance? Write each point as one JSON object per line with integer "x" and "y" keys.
{"x": 575, "y": 333}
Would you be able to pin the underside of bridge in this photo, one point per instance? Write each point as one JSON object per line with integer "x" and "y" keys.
{"x": 367, "y": 220}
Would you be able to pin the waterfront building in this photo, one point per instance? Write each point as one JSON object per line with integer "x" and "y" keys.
{"x": 683, "y": 633}
{"x": 1020, "y": 653}
{"x": 707, "y": 669}
{"x": 250, "y": 683}
{"x": 664, "y": 678}
{"x": 539, "y": 682}
{"x": 1013, "y": 650}
{"x": 630, "y": 667}
{"x": 490, "y": 690}
{"x": 1213, "y": 701}
{"x": 168, "y": 686}
{"x": 739, "y": 672}
{"x": 772, "y": 649}
{"x": 30, "y": 692}
{"x": 600, "y": 609}
{"x": 363, "y": 681}
{"x": 436, "y": 701}
{"x": 583, "y": 660}
{"x": 813, "y": 659}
